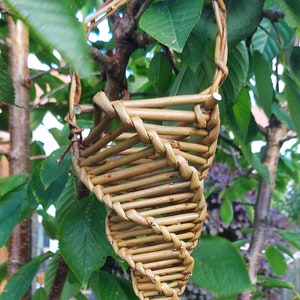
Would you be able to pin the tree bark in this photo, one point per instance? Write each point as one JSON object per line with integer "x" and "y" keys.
{"x": 274, "y": 137}
{"x": 59, "y": 280}
{"x": 18, "y": 40}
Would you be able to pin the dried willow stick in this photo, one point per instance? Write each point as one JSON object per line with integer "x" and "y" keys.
{"x": 157, "y": 201}
{"x": 130, "y": 172}
{"x": 96, "y": 132}
{"x": 153, "y": 238}
{"x": 169, "y": 220}
{"x": 113, "y": 150}
{"x": 117, "y": 162}
{"x": 102, "y": 142}
{"x": 105, "y": 10}
{"x": 145, "y": 231}
{"x": 154, "y": 191}
{"x": 141, "y": 182}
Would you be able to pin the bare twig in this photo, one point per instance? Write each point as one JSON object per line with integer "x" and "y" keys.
{"x": 5, "y": 153}
{"x": 170, "y": 57}
{"x": 42, "y": 73}
{"x": 230, "y": 143}
{"x": 103, "y": 59}
{"x": 53, "y": 91}
{"x": 37, "y": 157}
{"x": 143, "y": 7}
{"x": 272, "y": 14}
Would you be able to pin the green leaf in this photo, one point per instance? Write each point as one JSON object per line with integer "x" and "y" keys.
{"x": 3, "y": 271}
{"x": 295, "y": 61}
{"x": 47, "y": 196}
{"x": 271, "y": 282}
{"x": 291, "y": 237}
{"x": 242, "y": 113}
{"x": 71, "y": 287}
{"x": 238, "y": 65}
{"x": 282, "y": 115}
{"x": 55, "y": 25}
{"x": 51, "y": 271}
{"x": 59, "y": 136}
{"x": 188, "y": 82}
{"x": 19, "y": 282}
{"x": 276, "y": 260}
{"x": 226, "y": 211}
{"x": 171, "y": 22}
{"x": 194, "y": 48}
{"x": 185, "y": 82}
{"x": 292, "y": 90}
{"x": 80, "y": 296}
{"x": 10, "y": 211}
{"x": 66, "y": 199}
{"x": 7, "y": 92}
{"x": 114, "y": 288}
{"x": 284, "y": 249}
{"x": 291, "y": 10}
{"x": 51, "y": 171}
{"x": 263, "y": 82}
{"x": 242, "y": 19}
{"x": 10, "y": 183}
{"x": 82, "y": 238}
{"x": 252, "y": 158}
{"x": 219, "y": 267}
{"x": 40, "y": 294}
{"x": 160, "y": 72}
{"x": 49, "y": 224}
{"x": 266, "y": 40}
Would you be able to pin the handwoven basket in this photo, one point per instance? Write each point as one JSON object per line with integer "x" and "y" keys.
{"x": 146, "y": 162}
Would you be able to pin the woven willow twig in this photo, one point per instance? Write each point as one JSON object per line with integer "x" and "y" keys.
{"x": 146, "y": 163}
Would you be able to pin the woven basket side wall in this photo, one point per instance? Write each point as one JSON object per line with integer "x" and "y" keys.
{"x": 146, "y": 163}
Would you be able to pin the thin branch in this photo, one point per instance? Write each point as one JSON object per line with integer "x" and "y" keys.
{"x": 143, "y": 7}
{"x": 270, "y": 35}
{"x": 244, "y": 203}
{"x": 36, "y": 157}
{"x": 103, "y": 59}
{"x": 42, "y": 73}
{"x": 4, "y": 153}
{"x": 170, "y": 57}
{"x": 230, "y": 143}
{"x": 272, "y": 14}
{"x": 4, "y": 9}
{"x": 288, "y": 138}
{"x": 53, "y": 91}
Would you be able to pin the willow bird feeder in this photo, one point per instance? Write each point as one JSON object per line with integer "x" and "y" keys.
{"x": 146, "y": 161}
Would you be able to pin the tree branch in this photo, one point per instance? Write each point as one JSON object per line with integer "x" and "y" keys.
{"x": 124, "y": 33}
{"x": 18, "y": 48}
{"x": 263, "y": 201}
{"x": 59, "y": 280}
